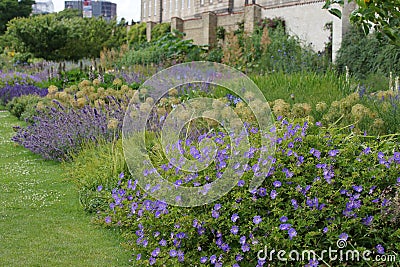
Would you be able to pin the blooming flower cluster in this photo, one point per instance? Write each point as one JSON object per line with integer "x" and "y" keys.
{"x": 309, "y": 193}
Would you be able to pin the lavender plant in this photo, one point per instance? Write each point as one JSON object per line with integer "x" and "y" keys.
{"x": 9, "y": 92}
{"x": 58, "y": 132}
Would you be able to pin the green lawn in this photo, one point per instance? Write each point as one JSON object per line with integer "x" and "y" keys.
{"x": 41, "y": 221}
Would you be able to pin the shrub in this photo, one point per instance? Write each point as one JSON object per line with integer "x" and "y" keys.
{"x": 366, "y": 54}
{"x": 24, "y": 107}
{"x": 96, "y": 164}
{"x": 9, "y": 92}
{"x": 270, "y": 49}
{"x": 17, "y": 78}
{"x": 137, "y": 34}
{"x": 58, "y": 132}
{"x": 325, "y": 184}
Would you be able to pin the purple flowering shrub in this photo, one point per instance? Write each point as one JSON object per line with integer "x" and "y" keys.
{"x": 58, "y": 132}
{"x": 325, "y": 184}
{"x": 18, "y": 78}
{"x": 9, "y": 92}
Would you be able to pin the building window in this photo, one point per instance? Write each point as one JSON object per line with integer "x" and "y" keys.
{"x": 183, "y": 4}
{"x": 202, "y": 2}
{"x": 176, "y": 5}
{"x": 188, "y": 3}
{"x": 164, "y": 6}
{"x": 211, "y": 2}
{"x": 155, "y": 7}
{"x": 144, "y": 9}
{"x": 149, "y": 8}
{"x": 170, "y": 7}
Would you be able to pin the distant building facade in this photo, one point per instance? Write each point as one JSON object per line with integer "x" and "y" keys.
{"x": 199, "y": 19}
{"x": 42, "y": 7}
{"x": 89, "y": 9}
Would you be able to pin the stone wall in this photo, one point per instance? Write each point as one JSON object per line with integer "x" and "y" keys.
{"x": 304, "y": 18}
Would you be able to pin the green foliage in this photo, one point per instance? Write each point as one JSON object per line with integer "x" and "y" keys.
{"x": 24, "y": 107}
{"x": 137, "y": 34}
{"x": 215, "y": 54}
{"x": 96, "y": 165}
{"x": 159, "y": 30}
{"x": 383, "y": 16}
{"x": 303, "y": 87}
{"x": 270, "y": 49}
{"x": 59, "y": 37}
{"x": 10, "y": 9}
{"x": 334, "y": 193}
{"x": 366, "y": 54}
{"x": 171, "y": 46}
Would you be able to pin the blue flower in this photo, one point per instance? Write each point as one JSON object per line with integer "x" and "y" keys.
{"x": 283, "y": 219}
{"x": 325, "y": 230}
{"x": 152, "y": 260}
{"x": 333, "y": 152}
{"x": 380, "y": 249}
{"x": 343, "y": 236}
{"x": 235, "y": 230}
{"x": 203, "y": 259}
{"x": 181, "y": 235}
{"x": 215, "y": 214}
{"x": 285, "y": 226}
{"x": 242, "y": 240}
{"x": 245, "y": 247}
{"x": 241, "y": 183}
{"x": 234, "y": 217}
{"x": 107, "y": 219}
{"x": 257, "y": 219}
{"x": 262, "y": 192}
{"x": 162, "y": 242}
{"x": 312, "y": 263}
{"x": 294, "y": 203}
{"x": 358, "y": 188}
{"x": 99, "y": 188}
{"x": 217, "y": 206}
{"x": 367, "y": 220}
{"x": 292, "y": 233}
{"x": 273, "y": 194}
{"x": 173, "y": 253}
{"x": 213, "y": 259}
{"x": 155, "y": 252}
{"x": 277, "y": 183}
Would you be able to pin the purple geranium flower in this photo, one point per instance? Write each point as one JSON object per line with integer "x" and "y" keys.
{"x": 273, "y": 194}
{"x": 277, "y": 183}
{"x": 257, "y": 219}
{"x": 380, "y": 249}
{"x": 235, "y": 229}
{"x": 285, "y": 226}
{"x": 234, "y": 217}
{"x": 292, "y": 233}
{"x": 358, "y": 188}
{"x": 203, "y": 259}
{"x": 343, "y": 236}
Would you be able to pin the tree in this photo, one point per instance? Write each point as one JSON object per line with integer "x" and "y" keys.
{"x": 10, "y": 9}
{"x": 59, "y": 37}
{"x": 383, "y": 16}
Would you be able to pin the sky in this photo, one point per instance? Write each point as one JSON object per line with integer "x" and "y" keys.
{"x": 128, "y": 9}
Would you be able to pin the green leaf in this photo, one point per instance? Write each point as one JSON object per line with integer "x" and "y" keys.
{"x": 336, "y": 12}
